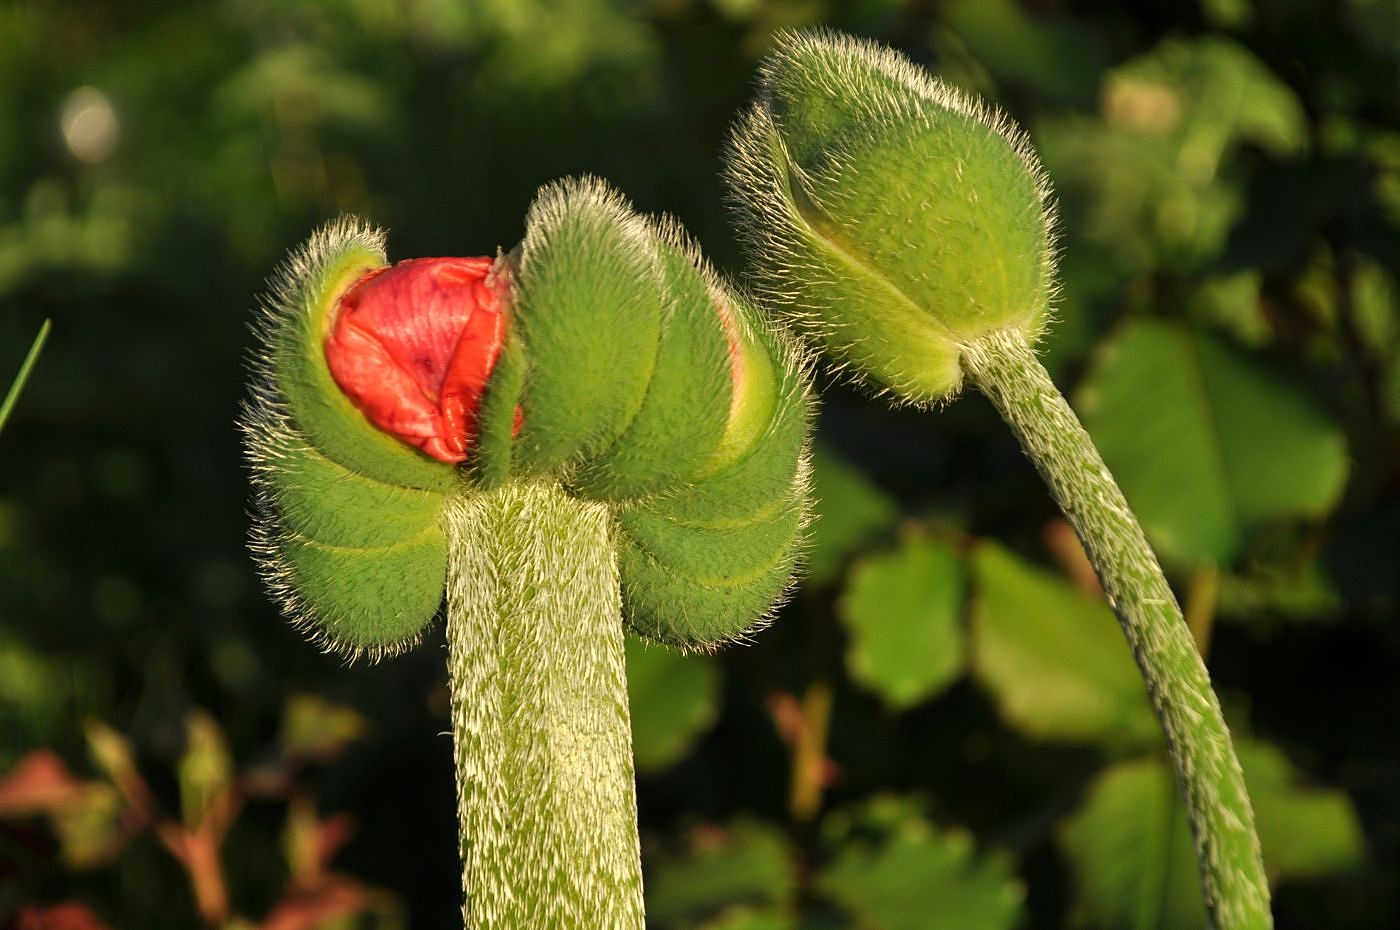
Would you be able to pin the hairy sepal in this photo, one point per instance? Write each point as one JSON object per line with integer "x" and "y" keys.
{"x": 893, "y": 217}
{"x": 710, "y": 562}
{"x": 684, "y": 415}
{"x": 589, "y": 311}
{"x": 347, "y": 524}
{"x": 292, "y": 359}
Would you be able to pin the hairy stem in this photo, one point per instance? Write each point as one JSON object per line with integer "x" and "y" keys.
{"x": 542, "y": 734}
{"x": 1005, "y": 368}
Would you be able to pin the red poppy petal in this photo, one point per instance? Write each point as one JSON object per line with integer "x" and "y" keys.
{"x": 413, "y": 346}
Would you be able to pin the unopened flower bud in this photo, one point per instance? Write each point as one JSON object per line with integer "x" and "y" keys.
{"x": 894, "y": 218}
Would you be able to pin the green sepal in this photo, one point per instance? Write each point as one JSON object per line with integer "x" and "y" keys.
{"x": 894, "y": 217}
{"x": 588, "y": 306}
{"x": 683, "y": 417}
{"x": 324, "y": 502}
{"x": 374, "y": 600}
{"x": 668, "y": 607}
{"x": 305, "y": 292}
{"x": 490, "y": 459}
{"x": 708, "y": 563}
{"x": 759, "y": 477}
{"x": 719, "y": 556}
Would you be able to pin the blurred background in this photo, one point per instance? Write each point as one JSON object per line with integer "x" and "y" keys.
{"x": 944, "y": 728}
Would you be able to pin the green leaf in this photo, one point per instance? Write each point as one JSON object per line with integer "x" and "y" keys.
{"x": 1156, "y": 175}
{"x": 1130, "y": 851}
{"x": 1223, "y": 94}
{"x": 902, "y": 610}
{"x": 1233, "y": 303}
{"x": 1306, "y": 832}
{"x": 89, "y": 829}
{"x": 1130, "y": 848}
{"x": 205, "y": 769}
{"x": 1054, "y": 657}
{"x": 751, "y": 918}
{"x": 674, "y": 698}
{"x": 893, "y": 870}
{"x": 313, "y": 727}
{"x": 1207, "y": 445}
{"x": 1056, "y": 56}
{"x": 743, "y": 863}
{"x": 851, "y": 512}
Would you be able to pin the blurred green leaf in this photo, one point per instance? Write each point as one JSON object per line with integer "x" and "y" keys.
{"x": 851, "y": 512}
{"x": 1232, "y": 302}
{"x": 902, "y": 609}
{"x": 1053, "y": 657}
{"x": 743, "y": 863}
{"x": 1305, "y": 832}
{"x": 1375, "y": 300}
{"x": 1301, "y": 592}
{"x": 1228, "y": 13}
{"x": 1385, "y": 155}
{"x": 89, "y": 828}
{"x": 1226, "y": 95}
{"x": 315, "y": 728}
{"x": 674, "y": 698}
{"x": 893, "y": 870}
{"x": 1207, "y": 445}
{"x": 750, "y": 918}
{"x": 205, "y": 770}
{"x": 306, "y": 88}
{"x": 1059, "y": 57}
{"x": 1130, "y": 852}
{"x": 1130, "y": 847}
{"x": 1153, "y": 174}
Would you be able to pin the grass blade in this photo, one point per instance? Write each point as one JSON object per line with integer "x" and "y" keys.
{"x": 23, "y": 376}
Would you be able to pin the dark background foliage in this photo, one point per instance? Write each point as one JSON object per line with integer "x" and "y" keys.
{"x": 943, "y": 728}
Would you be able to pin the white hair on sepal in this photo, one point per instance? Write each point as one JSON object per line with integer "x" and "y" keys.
{"x": 286, "y": 301}
{"x": 559, "y": 201}
{"x": 768, "y": 220}
{"x": 773, "y": 195}
{"x": 269, "y": 432}
{"x": 852, "y": 52}
{"x": 270, "y": 435}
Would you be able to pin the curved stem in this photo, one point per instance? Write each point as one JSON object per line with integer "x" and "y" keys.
{"x": 1005, "y": 368}
{"x": 541, "y": 729}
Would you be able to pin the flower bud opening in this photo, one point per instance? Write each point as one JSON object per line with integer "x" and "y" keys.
{"x": 413, "y": 346}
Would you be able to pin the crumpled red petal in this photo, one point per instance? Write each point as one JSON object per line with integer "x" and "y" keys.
{"x": 413, "y": 347}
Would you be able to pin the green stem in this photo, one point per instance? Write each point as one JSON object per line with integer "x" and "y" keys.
{"x": 1005, "y": 368}
{"x": 542, "y": 734}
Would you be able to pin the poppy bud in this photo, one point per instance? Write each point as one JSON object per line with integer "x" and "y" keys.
{"x": 604, "y": 355}
{"x": 413, "y": 347}
{"x": 894, "y": 218}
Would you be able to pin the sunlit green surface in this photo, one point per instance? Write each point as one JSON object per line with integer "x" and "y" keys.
{"x": 1225, "y": 170}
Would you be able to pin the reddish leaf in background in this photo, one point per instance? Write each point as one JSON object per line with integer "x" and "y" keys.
{"x": 305, "y": 909}
{"x": 413, "y": 345}
{"x": 58, "y": 917}
{"x": 39, "y": 783}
